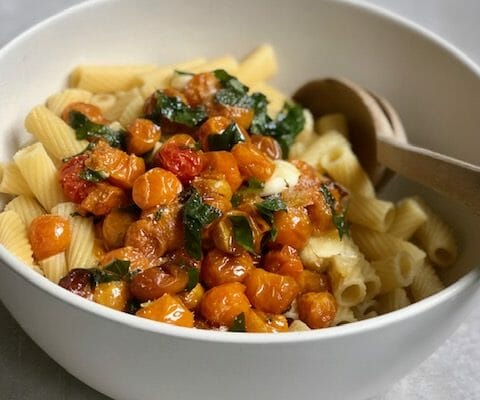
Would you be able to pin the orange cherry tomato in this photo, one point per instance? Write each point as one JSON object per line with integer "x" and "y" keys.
{"x": 320, "y": 214}
{"x": 168, "y": 309}
{"x": 144, "y": 236}
{"x": 258, "y": 321}
{"x": 103, "y": 199}
{"x": 242, "y": 116}
{"x": 212, "y": 126}
{"x": 138, "y": 262}
{"x": 214, "y": 190}
{"x": 142, "y": 136}
{"x": 270, "y": 292}
{"x": 182, "y": 140}
{"x": 112, "y": 294}
{"x": 193, "y": 297}
{"x": 74, "y": 187}
{"x": 317, "y": 309}
{"x": 115, "y": 226}
{"x": 310, "y": 281}
{"x": 155, "y": 187}
{"x": 284, "y": 261}
{"x": 252, "y": 162}
{"x": 268, "y": 146}
{"x": 201, "y": 88}
{"x": 219, "y": 267}
{"x": 93, "y": 113}
{"x": 49, "y": 235}
{"x": 221, "y": 304}
{"x": 185, "y": 163}
{"x": 224, "y": 162}
{"x": 293, "y": 227}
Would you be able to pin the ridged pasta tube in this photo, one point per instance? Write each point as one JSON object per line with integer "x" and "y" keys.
{"x": 344, "y": 315}
{"x": 332, "y": 122}
{"x": 395, "y": 271}
{"x": 409, "y": 216}
{"x": 260, "y": 65}
{"x": 14, "y": 236}
{"x": 370, "y": 278}
{"x": 54, "y": 267}
{"x": 366, "y": 309}
{"x": 392, "y": 301}
{"x": 425, "y": 283}
{"x": 12, "y": 181}
{"x": 26, "y": 207}
{"x": 159, "y": 78}
{"x": 370, "y": 212}
{"x": 348, "y": 285}
{"x": 59, "y": 101}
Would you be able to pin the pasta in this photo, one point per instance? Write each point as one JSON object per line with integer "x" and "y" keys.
{"x": 213, "y": 196}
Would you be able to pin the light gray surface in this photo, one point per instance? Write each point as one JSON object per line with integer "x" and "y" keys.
{"x": 453, "y": 372}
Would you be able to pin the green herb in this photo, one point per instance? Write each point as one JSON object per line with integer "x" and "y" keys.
{"x": 117, "y": 270}
{"x": 284, "y": 128}
{"x": 183, "y": 73}
{"x": 239, "y": 324}
{"x": 86, "y": 129}
{"x": 338, "y": 219}
{"x": 196, "y": 215}
{"x": 90, "y": 175}
{"x": 90, "y": 146}
{"x": 75, "y": 214}
{"x": 242, "y": 232}
{"x": 158, "y": 214}
{"x": 227, "y": 139}
{"x": 233, "y": 92}
{"x": 132, "y": 306}
{"x": 175, "y": 110}
{"x": 193, "y": 277}
{"x": 267, "y": 207}
{"x": 253, "y": 186}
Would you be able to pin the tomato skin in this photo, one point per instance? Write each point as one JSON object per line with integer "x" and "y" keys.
{"x": 112, "y": 294}
{"x": 219, "y": 267}
{"x": 294, "y": 227}
{"x": 155, "y": 187}
{"x": 114, "y": 227}
{"x": 185, "y": 163}
{"x": 93, "y": 113}
{"x": 49, "y": 235}
{"x": 142, "y": 136}
{"x": 224, "y": 162}
{"x": 242, "y": 116}
{"x": 168, "y": 309}
{"x": 317, "y": 309}
{"x": 284, "y": 261}
{"x": 268, "y": 146}
{"x": 78, "y": 281}
{"x": 138, "y": 262}
{"x": 212, "y": 126}
{"x": 75, "y": 188}
{"x": 258, "y": 321}
{"x": 201, "y": 88}
{"x": 252, "y": 163}
{"x": 103, "y": 198}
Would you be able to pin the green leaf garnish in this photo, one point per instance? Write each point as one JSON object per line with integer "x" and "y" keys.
{"x": 90, "y": 175}
{"x": 175, "y": 110}
{"x": 86, "y": 129}
{"x": 242, "y": 232}
{"x": 338, "y": 219}
{"x": 183, "y": 72}
{"x": 117, "y": 270}
{"x": 158, "y": 214}
{"x": 227, "y": 139}
{"x": 196, "y": 215}
{"x": 267, "y": 207}
{"x": 233, "y": 92}
{"x": 253, "y": 186}
{"x": 238, "y": 324}
{"x": 193, "y": 277}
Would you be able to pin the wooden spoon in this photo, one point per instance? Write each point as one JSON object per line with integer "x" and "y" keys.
{"x": 379, "y": 141}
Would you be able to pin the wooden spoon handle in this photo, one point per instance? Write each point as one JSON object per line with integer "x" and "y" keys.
{"x": 453, "y": 178}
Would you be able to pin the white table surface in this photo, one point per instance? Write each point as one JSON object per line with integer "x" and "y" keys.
{"x": 451, "y": 373}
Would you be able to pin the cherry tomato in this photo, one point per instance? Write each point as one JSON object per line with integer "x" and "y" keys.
{"x": 212, "y": 126}
{"x": 155, "y": 187}
{"x": 49, "y": 235}
{"x": 219, "y": 268}
{"x": 75, "y": 188}
{"x": 252, "y": 162}
{"x": 103, "y": 199}
{"x": 138, "y": 262}
{"x": 293, "y": 227}
{"x": 317, "y": 309}
{"x": 242, "y": 116}
{"x": 310, "y": 281}
{"x": 258, "y": 321}
{"x": 185, "y": 163}
{"x": 221, "y": 304}
{"x": 168, "y": 309}
{"x": 142, "y": 136}
{"x": 192, "y": 298}
{"x": 268, "y": 146}
{"x": 284, "y": 261}
{"x": 78, "y": 281}
{"x": 224, "y": 162}
{"x": 93, "y": 113}
{"x": 214, "y": 190}
{"x": 114, "y": 228}
{"x": 182, "y": 140}
{"x": 112, "y": 294}
{"x": 144, "y": 236}
{"x": 201, "y": 88}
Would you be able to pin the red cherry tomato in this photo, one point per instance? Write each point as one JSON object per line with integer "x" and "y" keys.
{"x": 75, "y": 188}
{"x": 185, "y": 163}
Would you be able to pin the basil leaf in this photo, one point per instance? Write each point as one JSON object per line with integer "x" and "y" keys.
{"x": 175, "y": 110}
{"x": 253, "y": 186}
{"x": 238, "y": 324}
{"x": 193, "y": 277}
{"x": 233, "y": 92}
{"x": 158, "y": 214}
{"x": 118, "y": 267}
{"x": 90, "y": 175}
{"x": 242, "y": 232}
{"x": 227, "y": 139}
{"x": 86, "y": 129}
{"x": 267, "y": 207}
{"x": 117, "y": 270}
{"x": 339, "y": 219}
{"x": 183, "y": 72}
{"x": 196, "y": 215}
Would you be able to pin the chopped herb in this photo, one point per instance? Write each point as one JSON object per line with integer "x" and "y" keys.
{"x": 242, "y": 232}
{"x": 158, "y": 214}
{"x": 93, "y": 176}
{"x": 175, "y": 110}
{"x": 117, "y": 270}
{"x": 233, "y": 92}
{"x": 267, "y": 207}
{"x": 227, "y": 139}
{"x": 284, "y": 128}
{"x": 196, "y": 215}
{"x": 183, "y": 73}
{"x": 132, "y": 306}
{"x": 239, "y": 324}
{"x": 75, "y": 214}
{"x": 338, "y": 219}
{"x": 253, "y": 186}
{"x": 90, "y": 146}
{"x": 193, "y": 277}
{"x": 86, "y": 129}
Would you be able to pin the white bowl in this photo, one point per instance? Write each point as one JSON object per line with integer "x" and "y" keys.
{"x": 435, "y": 88}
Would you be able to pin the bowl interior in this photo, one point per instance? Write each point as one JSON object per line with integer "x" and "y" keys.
{"x": 435, "y": 90}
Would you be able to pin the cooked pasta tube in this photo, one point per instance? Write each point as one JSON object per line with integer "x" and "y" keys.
{"x": 343, "y": 166}
{"x": 395, "y": 271}
{"x": 344, "y": 315}
{"x": 276, "y": 99}
{"x": 122, "y": 99}
{"x": 425, "y": 283}
{"x": 14, "y": 236}
{"x": 54, "y": 267}
{"x": 298, "y": 326}
{"x": 104, "y": 101}
{"x": 260, "y": 65}
{"x": 370, "y": 212}
{"x": 159, "y": 78}
{"x": 377, "y": 246}
{"x": 108, "y": 78}
{"x": 304, "y": 138}
{"x": 227, "y": 62}
{"x": 57, "y": 102}
{"x": 348, "y": 285}
{"x": 79, "y": 252}
{"x": 26, "y": 207}
{"x": 132, "y": 110}
{"x": 332, "y": 122}
{"x": 366, "y": 309}
{"x": 371, "y": 279}
{"x": 436, "y": 238}
{"x": 409, "y": 216}
{"x": 40, "y": 173}
{"x": 57, "y": 137}
{"x": 12, "y": 181}
{"x": 393, "y": 301}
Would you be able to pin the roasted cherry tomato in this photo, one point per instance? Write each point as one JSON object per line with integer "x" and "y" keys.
{"x": 49, "y": 235}
{"x": 142, "y": 136}
{"x": 93, "y": 113}
{"x": 74, "y": 187}
{"x": 201, "y": 88}
{"x": 283, "y": 261}
{"x": 155, "y": 187}
{"x": 317, "y": 309}
{"x": 78, "y": 281}
{"x": 168, "y": 309}
{"x": 219, "y": 267}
